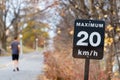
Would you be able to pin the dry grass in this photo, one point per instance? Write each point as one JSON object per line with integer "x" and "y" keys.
{"x": 60, "y": 66}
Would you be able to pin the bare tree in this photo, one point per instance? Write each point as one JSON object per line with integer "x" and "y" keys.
{"x": 14, "y": 14}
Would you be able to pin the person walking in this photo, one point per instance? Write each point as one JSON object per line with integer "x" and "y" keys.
{"x": 15, "y": 47}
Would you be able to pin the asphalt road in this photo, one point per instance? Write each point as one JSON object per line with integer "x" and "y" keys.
{"x": 31, "y": 65}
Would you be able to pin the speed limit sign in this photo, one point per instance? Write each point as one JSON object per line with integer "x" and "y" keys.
{"x": 88, "y": 39}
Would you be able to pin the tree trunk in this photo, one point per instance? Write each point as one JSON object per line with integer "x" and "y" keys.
{"x": 118, "y": 62}
{"x": 16, "y": 32}
{"x": 4, "y": 42}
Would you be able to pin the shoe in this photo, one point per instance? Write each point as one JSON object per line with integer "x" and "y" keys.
{"x": 14, "y": 70}
{"x": 17, "y": 69}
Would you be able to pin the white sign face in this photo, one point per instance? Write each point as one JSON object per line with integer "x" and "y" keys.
{"x": 88, "y": 39}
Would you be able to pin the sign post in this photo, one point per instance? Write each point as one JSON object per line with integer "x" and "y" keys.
{"x": 88, "y": 42}
{"x": 86, "y": 72}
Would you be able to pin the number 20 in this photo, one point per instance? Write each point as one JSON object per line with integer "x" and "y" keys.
{"x": 82, "y": 42}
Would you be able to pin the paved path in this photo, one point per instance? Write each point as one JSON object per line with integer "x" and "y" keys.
{"x": 31, "y": 65}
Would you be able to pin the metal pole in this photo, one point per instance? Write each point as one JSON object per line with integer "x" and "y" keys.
{"x": 86, "y": 73}
{"x": 21, "y": 48}
{"x": 36, "y": 44}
